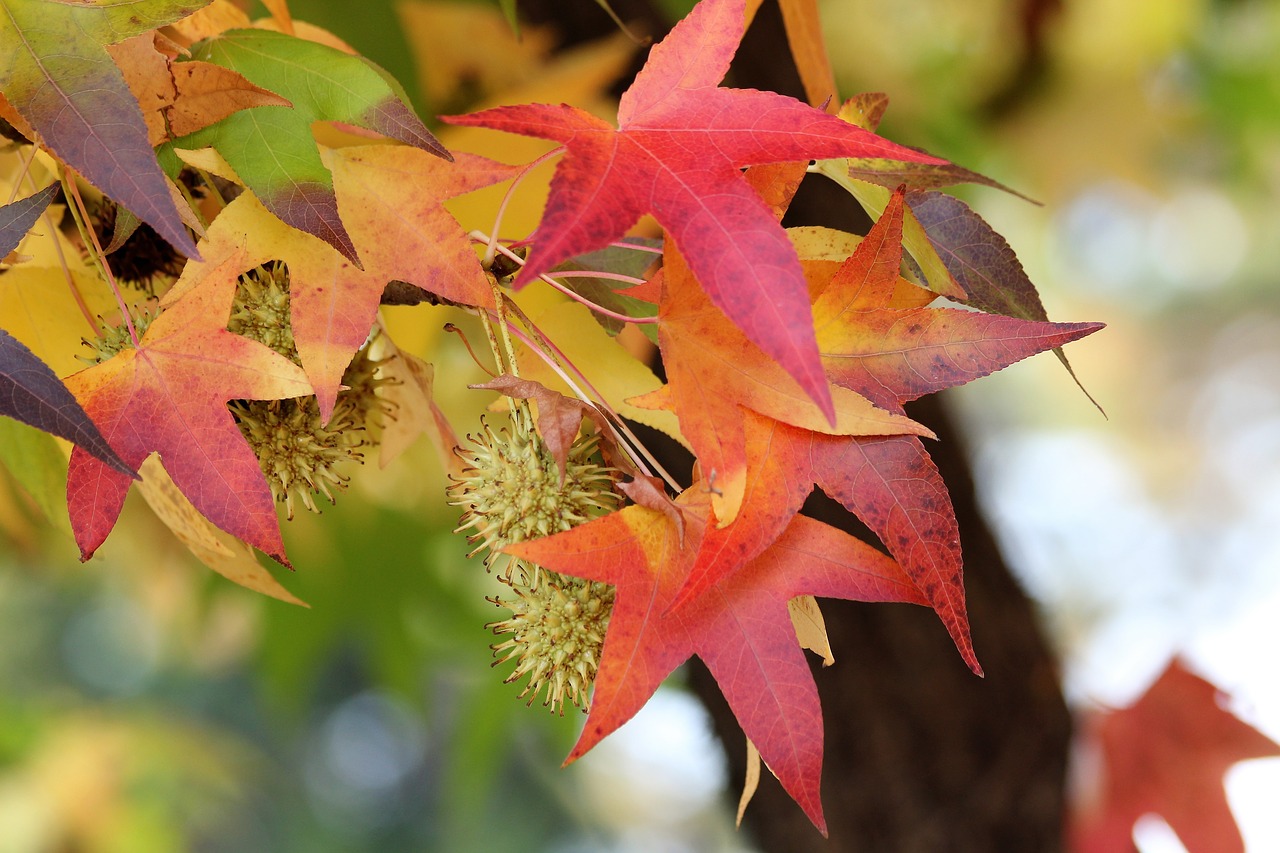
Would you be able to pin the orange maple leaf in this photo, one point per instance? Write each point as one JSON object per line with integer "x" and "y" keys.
{"x": 178, "y": 98}
{"x": 875, "y": 342}
{"x": 170, "y": 396}
{"x": 391, "y": 198}
{"x": 714, "y": 372}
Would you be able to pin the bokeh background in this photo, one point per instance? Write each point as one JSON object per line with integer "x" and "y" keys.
{"x": 148, "y": 705}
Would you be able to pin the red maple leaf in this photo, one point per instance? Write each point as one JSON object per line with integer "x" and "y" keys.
{"x": 1166, "y": 754}
{"x": 170, "y": 396}
{"x": 740, "y": 626}
{"x": 889, "y": 482}
{"x": 677, "y": 153}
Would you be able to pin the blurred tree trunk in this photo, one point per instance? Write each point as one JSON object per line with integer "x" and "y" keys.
{"x": 921, "y": 755}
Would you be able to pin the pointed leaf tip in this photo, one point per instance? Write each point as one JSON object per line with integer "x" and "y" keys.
{"x": 32, "y": 393}
{"x": 17, "y": 218}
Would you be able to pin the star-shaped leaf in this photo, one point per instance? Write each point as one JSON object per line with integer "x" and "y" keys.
{"x": 1166, "y": 754}
{"x": 55, "y": 70}
{"x": 741, "y": 626}
{"x": 677, "y": 153}
{"x": 888, "y": 354}
{"x": 170, "y": 396}
{"x": 392, "y": 196}
{"x": 889, "y": 482}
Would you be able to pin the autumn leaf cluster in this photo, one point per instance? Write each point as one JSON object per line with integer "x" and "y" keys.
{"x": 245, "y": 148}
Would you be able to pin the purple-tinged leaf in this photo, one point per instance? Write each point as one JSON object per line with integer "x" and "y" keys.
{"x": 977, "y": 257}
{"x": 982, "y": 262}
{"x": 32, "y": 393}
{"x": 56, "y": 72}
{"x": 920, "y": 176}
{"x": 17, "y": 218}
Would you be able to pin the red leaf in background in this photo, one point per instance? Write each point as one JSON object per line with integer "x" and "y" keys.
{"x": 676, "y": 153}
{"x": 1166, "y": 754}
{"x": 740, "y": 626}
{"x": 170, "y": 395}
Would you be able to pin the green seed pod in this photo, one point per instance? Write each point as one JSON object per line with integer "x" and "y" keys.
{"x": 301, "y": 456}
{"x": 512, "y": 491}
{"x": 260, "y": 311}
{"x": 113, "y": 339}
{"x": 556, "y": 633}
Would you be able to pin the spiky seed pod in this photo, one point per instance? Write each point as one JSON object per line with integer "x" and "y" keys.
{"x": 363, "y": 379}
{"x": 145, "y": 260}
{"x": 556, "y": 633}
{"x": 260, "y": 311}
{"x": 301, "y": 455}
{"x": 511, "y": 489}
{"x": 297, "y": 451}
{"x": 113, "y": 339}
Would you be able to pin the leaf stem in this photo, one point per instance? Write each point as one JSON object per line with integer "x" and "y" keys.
{"x": 450, "y": 327}
{"x": 555, "y": 357}
{"x": 80, "y": 214}
{"x": 491, "y": 249}
{"x": 213, "y": 188}
{"x": 67, "y": 270}
{"x": 487, "y": 322}
{"x": 611, "y": 276}
{"x": 191, "y": 202}
{"x": 639, "y": 247}
{"x": 599, "y": 309}
{"x": 570, "y": 292}
{"x": 23, "y": 172}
